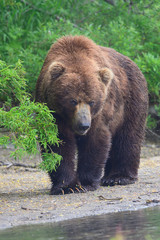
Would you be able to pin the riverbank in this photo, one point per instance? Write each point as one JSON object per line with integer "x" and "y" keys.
{"x": 25, "y": 199}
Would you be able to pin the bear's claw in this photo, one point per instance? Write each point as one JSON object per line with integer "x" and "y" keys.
{"x": 72, "y": 191}
{"x": 67, "y": 190}
{"x": 77, "y": 189}
{"x": 114, "y": 180}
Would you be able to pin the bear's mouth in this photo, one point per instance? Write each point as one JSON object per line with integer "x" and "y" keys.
{"x": 81, "y": 132}
{"x": 82, "y": 127}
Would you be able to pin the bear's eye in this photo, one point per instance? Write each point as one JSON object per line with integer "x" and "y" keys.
{"x": 74, "y": 102}
{"x": 91, "y": 103}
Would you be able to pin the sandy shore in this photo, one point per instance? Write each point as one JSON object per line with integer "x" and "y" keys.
{"x": 25, "y": 199}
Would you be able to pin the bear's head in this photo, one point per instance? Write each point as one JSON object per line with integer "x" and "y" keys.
{"x": 77, "y": 96}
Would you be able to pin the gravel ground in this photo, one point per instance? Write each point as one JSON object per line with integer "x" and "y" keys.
{"x": 25, "y": 199}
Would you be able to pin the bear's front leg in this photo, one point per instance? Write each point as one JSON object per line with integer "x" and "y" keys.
{"x": 65, "y": 175}
{"x": 93, "y": 150}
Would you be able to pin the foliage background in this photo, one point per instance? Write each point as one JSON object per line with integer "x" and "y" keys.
{"x": 29, "y": 27}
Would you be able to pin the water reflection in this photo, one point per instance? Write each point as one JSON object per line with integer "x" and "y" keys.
{"x": 138, "y": 225}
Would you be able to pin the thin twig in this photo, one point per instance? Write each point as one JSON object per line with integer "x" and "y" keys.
{"x": 109, "y": 199}
{"x": 9, "y": 164}
{"x": 153, "y": 133}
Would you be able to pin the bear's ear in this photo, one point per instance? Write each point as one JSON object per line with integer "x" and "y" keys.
{"x": 106, "y": 75}
{"x": 56, "y": 69}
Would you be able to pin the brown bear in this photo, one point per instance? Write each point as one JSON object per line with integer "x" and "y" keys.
{"x": 100, "y": 101}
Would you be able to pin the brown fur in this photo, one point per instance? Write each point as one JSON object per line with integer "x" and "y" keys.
{"x": 100, "y": 98}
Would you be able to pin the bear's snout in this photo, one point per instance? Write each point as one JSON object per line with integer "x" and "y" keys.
{"x": 84, "y": 126}
{"x": 82, "y": 119}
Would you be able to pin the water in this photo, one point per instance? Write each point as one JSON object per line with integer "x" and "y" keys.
{"x": 136, "y": 225}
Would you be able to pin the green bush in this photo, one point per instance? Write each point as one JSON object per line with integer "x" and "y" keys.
{"x": 12, "y": 84}
{"x": 29, "y": 123}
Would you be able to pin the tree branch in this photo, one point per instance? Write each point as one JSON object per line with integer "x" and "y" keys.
{"x": 149, "y": 4}
{"x": 35, "y": 8}
{"x": 110, "y": 2}
{"x": 48, "y": 13}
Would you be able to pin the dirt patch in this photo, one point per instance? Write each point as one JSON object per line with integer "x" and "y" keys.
{"x": 25, "y": 199}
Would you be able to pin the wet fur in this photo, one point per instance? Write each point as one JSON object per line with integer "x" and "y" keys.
{"x": 112, "y": 144}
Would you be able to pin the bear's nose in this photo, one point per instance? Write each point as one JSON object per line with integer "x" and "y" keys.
{"x": 84, "y": 126}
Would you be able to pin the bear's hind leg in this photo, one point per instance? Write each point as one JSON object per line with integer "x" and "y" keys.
{"x": 123, "y": 163}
